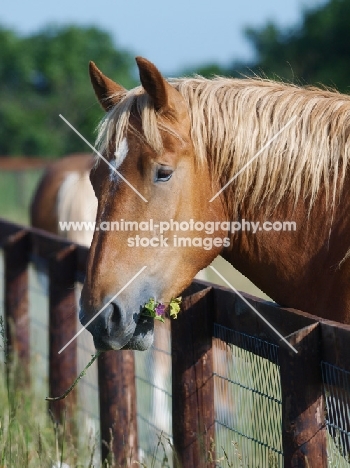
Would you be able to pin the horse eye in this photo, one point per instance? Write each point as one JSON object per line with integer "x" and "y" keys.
{"x": 163, "y": 173}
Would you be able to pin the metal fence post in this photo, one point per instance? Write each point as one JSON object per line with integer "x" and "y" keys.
{"x": 303, "y": 416}
{"x": 116, "y": 381}
{"x": 16, "y": 259}
{"x": 62, "y": 328}
{"x": 193, "y": 383}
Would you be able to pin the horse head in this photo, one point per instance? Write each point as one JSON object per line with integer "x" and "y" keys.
{"x": 151, "y": 190}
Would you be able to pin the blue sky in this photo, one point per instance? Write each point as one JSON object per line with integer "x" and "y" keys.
{"x": 174, "y": 35}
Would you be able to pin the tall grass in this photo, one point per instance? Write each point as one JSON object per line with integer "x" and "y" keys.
{"x": 29, "y": 436}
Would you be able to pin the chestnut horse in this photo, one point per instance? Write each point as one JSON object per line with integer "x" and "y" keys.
{"x": 177, "y": 143}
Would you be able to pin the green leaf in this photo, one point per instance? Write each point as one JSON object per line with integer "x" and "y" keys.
{"x": 175, "y": 307}
{"x": 160, "y": 318}
{"x": 149, "y": 309}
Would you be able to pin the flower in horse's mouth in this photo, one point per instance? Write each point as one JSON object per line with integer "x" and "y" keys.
{"x": 156, "y": 309}
{"x": 159, "y": 309}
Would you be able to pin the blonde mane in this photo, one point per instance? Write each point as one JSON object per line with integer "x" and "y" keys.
{"x": 232, "y": 119}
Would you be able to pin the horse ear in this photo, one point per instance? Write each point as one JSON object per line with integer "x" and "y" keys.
{"x": 155, "y": 85}
{"x": 107, "y": 91}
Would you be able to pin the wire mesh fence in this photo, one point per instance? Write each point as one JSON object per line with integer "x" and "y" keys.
{"x": 336, "y": 383}
{"x": 247, "y": 401}
{"x": 87, "y": 413}
{"x": 38, "y": 325}
{"x": 154, "y": 399}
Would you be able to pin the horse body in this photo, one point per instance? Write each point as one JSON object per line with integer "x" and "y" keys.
{"x": 306, "y": 269}
{"x": 182, "y": 142}
{"x": 65, "y": 194}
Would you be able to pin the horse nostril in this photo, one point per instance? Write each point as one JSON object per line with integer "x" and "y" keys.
{"x": 114, "y": 318}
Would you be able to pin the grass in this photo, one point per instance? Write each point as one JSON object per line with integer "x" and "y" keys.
{"x": 16, "y": 190}
{"x": 29, "y": 436}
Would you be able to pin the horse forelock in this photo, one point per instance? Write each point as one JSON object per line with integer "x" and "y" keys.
{"x": 113, "y": 127}
{"x": 232, "y": 120}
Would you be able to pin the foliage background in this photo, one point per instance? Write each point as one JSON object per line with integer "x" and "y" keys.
{"x": 45, "y": 74}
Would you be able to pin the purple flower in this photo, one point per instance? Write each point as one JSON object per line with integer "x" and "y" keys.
{"x": 160, "y": 309}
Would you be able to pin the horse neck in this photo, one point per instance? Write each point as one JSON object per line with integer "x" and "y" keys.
{"x": 299, "y": 269}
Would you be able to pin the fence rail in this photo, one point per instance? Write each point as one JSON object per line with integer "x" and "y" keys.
{"x": 214, "y": 323}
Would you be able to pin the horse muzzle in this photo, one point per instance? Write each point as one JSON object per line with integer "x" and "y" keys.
{"x": 113, "y": 328}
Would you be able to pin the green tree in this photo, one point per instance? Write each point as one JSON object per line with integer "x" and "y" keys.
{"x": 316, "y": 52}
{"x": 46, "y": 74}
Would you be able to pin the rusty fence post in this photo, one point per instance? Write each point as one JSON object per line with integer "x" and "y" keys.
{"x": 62, "y": 328}
{"x": 193, "y": 382}
{"x": 303, "y": 415}
{"x": 16, "y": 313}
{"x": 118, "y": 420}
